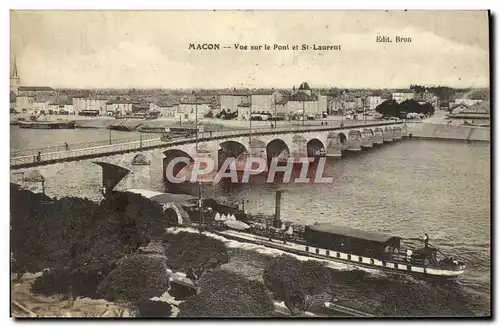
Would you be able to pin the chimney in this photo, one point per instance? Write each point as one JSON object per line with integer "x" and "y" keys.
{"x": 277, "y": 210}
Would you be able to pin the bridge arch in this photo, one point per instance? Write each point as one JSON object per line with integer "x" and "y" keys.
{"x": 172, "y": 154}
{"x": 368, "y": 132}
{"x": 313, "y": 146}
{"x": 342, "y": 138}
{"x": 232, "y": 148}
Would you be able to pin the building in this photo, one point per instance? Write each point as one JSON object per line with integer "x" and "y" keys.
{"x": 335, "y": 105}
{"x": 231, "y": 101}
{"x": 24, "y": 103}
{"x": 37, "y": 93}
{"x": 402, "y": 96}
{"x": 81, "y": 104}
{"x": 467, "y": 102}
{"x": 304, "y": 101}
{"x": 478, "y": 111}
{"x": 265, "y": 102}
{"x": 40, "y": 107}
{"x": 188, "y": 110}
{"x": 15, "y": 80}
{"x": 140, "y": 108}
{"x": 458, "y": 107}
{"x": 118, "y": 107}
{"x": 431, "y": 98}
{"x": 244, "y": 109}
{"x": 373, "y": 101}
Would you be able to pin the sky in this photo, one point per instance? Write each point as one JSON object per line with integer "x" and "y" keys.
{"x": 149, "y": 49}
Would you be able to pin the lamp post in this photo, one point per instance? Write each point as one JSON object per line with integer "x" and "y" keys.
{"x": 109, "y": 135}
{"x": 250, "y": 125}
{"x": 275, "y": 118}
{"x": 200, "y": 206}
{"x": 303, "y": 113}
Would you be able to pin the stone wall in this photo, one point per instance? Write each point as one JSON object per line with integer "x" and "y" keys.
{"x": 449, "y": 132}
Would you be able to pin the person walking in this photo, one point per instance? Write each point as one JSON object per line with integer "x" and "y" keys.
{"x": 66, "y": 146}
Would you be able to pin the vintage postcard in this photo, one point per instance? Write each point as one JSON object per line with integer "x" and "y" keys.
{"x": 274, "y": 164}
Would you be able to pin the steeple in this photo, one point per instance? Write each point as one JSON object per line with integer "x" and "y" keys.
{"x": 14, "y": 78}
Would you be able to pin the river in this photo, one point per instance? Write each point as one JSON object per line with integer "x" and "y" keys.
{"x": 405, "y": 188}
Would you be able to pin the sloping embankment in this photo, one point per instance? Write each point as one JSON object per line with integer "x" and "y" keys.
{"x": 449, "y": 132}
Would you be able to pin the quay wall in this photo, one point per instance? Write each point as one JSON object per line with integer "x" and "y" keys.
{"x": 449, "y": 132}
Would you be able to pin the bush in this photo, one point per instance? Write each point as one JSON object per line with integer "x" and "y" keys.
{"x": 226, "y": 294}
{"x": 78, "y": 237}
{"x": 423, "y": 300}
{"x": 180, "y": 292}
{"x": 194, "y": 253}
{"x": 295, "y": 282}
{"x": 136, "y": 278}
{"x": 65, "y": 282}
{"x": 154, "y": 309}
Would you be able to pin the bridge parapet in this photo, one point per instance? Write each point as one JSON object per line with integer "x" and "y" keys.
{"x": 330, "y": 142}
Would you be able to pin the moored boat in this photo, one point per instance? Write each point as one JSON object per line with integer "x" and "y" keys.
{"x": 48, "y": 124}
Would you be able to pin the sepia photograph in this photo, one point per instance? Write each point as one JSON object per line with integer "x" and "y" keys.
{"x": 250, "y": 164}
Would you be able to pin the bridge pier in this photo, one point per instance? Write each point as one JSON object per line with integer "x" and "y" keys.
{"x": 404, "y": 131}
{"x": 333, "y": 145}
{"x": 354, "y": 141}
{"x": 378, "y": 136}
{"x": 396, "y": 133}
{"x": 367, "y": 139}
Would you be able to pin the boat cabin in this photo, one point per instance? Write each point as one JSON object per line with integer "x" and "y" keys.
{"x": 348, "y": 240}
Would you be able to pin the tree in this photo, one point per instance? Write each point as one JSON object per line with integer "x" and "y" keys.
{"x": 389, "y": 108}
{"x": 417, "y": 88}
{"x": 77, "y": 239}
{"x": 295, "y": 282}
{"x": 136, "y": 278}
{"x": 410, "y": 106}
{"x": 153, "y": 309}
{"x": 27, "y": 211}
{"x": 194, "y": 254}
{"x": 427, "y": 109}
{"x": 410, "y": 299}
{"x": 227, "y": 294}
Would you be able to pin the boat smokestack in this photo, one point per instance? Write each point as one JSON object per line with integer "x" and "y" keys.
{"x": 277, "y": 210}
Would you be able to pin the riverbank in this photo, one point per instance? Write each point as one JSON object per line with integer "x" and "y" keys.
{"x": 214, "y": 124}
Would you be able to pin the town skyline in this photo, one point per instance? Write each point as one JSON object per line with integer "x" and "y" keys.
{"x": 143, "y": 50}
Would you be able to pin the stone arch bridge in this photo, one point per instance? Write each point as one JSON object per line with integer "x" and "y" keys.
{"x": 294, "y": 144}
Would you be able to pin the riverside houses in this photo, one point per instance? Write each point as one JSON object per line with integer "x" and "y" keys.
{"x": 279, "y": 102}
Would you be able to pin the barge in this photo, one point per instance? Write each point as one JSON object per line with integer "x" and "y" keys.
{"x": 342, "y": 244}
{"x": 357, "y": 248}
{"x": 47, "y": 124}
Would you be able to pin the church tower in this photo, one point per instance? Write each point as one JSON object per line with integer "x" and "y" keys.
{"x": 15, "y": 81}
